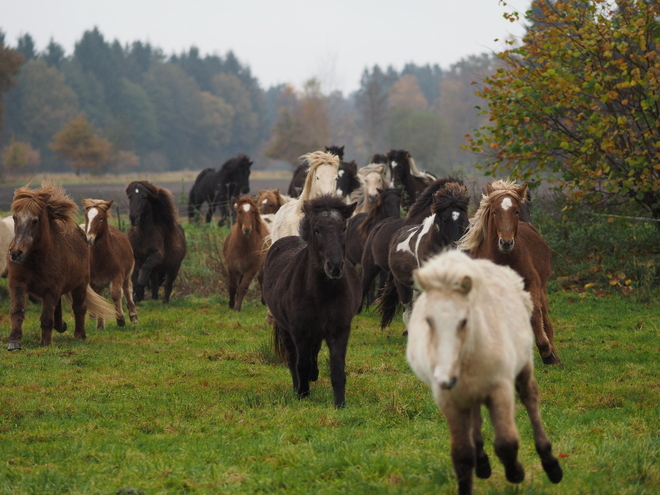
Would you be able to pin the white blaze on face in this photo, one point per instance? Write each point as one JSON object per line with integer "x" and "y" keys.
{"x": 394, "y": 164}
{"x": 246, "y": 207}
{"x": 265, "y": 201}
{"x": 455, "y": 215}
{"x": 506, "y": 204}
{"x": 137, "y": 191}
{"x": 91, "y": 215}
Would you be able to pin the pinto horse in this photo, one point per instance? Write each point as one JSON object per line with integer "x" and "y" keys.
{"x": 495, "y": 233}
{"x": 218, "y": 187}
{"x": 111, "y": 259}
{"x": 470, "y": 341}
{"x": 49, "y": 258}
{"x": 313, "y": 294}
{"x": 410, "y": 246}
{"x": 244, "y": 250}
{"x": 157, "y": 239}
{"x": 407, "y": 176}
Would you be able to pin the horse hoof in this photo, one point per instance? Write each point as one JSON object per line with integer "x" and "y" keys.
{"x": 121, "y": 322}
{"x": 550, "y": 359}
{"x": 63, "y": 328}
{"x": 134, "y": 319}
{"x": 554, "y": 471}
{"x": 14, "y": 346}
{"x": 516, "y": 474}
{"x": 483, "y": 470}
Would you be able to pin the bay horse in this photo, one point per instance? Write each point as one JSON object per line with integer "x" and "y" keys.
{"x": 495, "y": 233}
{"x": 218, "y": 187}
{"x": 375, "y": 256}
{"x": 406, "y": 175}
{"x": 410, "y": 246}
{"x": 48, "y": 259}
{"x": 321, "y": 179}
{"x": 313, "y": 294}
{"x": 111, "y": 259}
{"x": 157, "y": 239}
{"x": 244, "y": 250}
{"x": 470, "y": 341}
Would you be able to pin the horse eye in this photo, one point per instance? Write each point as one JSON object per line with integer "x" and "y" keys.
{"x": 317, "y": 231}
{"x": 34, "y": 221}
{"x": 461, "y": 325}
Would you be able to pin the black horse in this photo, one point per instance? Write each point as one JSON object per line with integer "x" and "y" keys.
{"x": 407, "y": 176}
{"x": 157, "y": 239}
{"x": 313, "y": 294}
{"x": 218, "y": 187}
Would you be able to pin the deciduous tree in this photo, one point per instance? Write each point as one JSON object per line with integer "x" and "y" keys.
{"x": 79, "y": 143}
{"x": 10, "y": 65}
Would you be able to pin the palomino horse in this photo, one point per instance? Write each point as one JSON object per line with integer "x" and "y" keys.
{"x": 407, "y": 176}
{"x": 49, "y": 258}
{"x": 372, "y": 179}
{"x": 410, "y": 246}
{"x": 470, "y": 341}
{"x": 313, "y": 294}
{"x": 321, "y": 179}
{"x": 244, "y": 250}
{"x": 6, "y": 236}
{"x": 495, "y": 233}
{"x": 111, "y": 259}
{"x": 376, "y": 253}
{"x": 157, "y": 239}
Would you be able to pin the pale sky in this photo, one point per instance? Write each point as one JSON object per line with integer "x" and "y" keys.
{"x": 282, "y": 41}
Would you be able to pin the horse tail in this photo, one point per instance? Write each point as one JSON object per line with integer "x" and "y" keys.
{"x": 388, "y": 302}
{"x": 97, "y": 306}
{"x": 278, "y": 346}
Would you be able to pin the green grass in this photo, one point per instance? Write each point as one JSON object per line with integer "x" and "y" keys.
{"x": 191, "y": 400}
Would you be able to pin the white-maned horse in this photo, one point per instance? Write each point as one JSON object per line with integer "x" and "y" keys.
{"x": 321, "y": 179}
{"x": 6, "y": 236}
{"x": 470, "y": 340}
{"x": 372, "y": 178}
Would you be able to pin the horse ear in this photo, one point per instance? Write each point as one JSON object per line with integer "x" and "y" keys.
{"x": 465, "y": 285}
{"x": 109, "y": 205}
{"x": 87, "y": 203}
{"x": 262, "y": 191}
{"x": 489, "y": 189}
{"x": 522, "y": 192}
{"x": 304, "y": 229}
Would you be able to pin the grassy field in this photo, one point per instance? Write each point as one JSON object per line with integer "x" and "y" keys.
{"x": 191, "y": 400}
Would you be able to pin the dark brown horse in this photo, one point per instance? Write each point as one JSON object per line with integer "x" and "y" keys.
{"x": 49, "y": 258}
{"x": 313, "y": 294}
{"x": 496, "y": 234}
{"x": 244, "y": 250}
{"x": 111, "y": 259}
{"x": 157, "y": 239}
{"x": 375, "y": 256}
{"x": 410, "y": 246}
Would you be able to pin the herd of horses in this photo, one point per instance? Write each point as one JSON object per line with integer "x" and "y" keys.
{"x": 472, "y": 290}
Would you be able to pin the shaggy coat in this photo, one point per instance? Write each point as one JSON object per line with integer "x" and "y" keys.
{"x": 407, "y": 176}
{"x": 244, "y": 250}
{"x": 111, "y": 259}
{"x": 270, "y": 201}
{"x": 49, "y": 258}
{"x": 470, "y": 341}
{"x": 313, "y": 294}
{"x": 157, "y": 239}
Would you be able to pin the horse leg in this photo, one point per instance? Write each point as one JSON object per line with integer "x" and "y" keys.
{"x": 59, "y": 324}
{"x": 138, "y": 290}
{"x": 100, "y": 321}
{"x": 315, "y": 362}
{"x": 128, "y": 294}
{"x": 304, "y": 365}
{"x": 528, "y": 391}
{"x": 233, "y": 285}
{"x": 337, "y": 344}
{"x": 542, "y": 342}
{"x": 168, "y": 282}
{"x": 369, "y": 272}
{"x": 462, "y": 446}
{"x": 291, "y": 353}
{"x": 501, "y": 407}
{"x": 547, "y": 326}
{"x": 17, "y": 315}
{"x": 144, "y": 275}
{"x": 483, "y": 464}
{"x": 155, "y": 282}
{"x": 48, "y": 304}
{"x": 244, "y": 286}
{"x": 79, "y": 305}
{"x": 115, "y": 294}
{"x": 260, "y": 279}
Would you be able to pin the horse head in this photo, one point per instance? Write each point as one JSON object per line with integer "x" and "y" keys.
{"x": 247, "y": 215}
{"x": 504, "y": 215}
{"x": 322, "y": 177}
{"x": 139, "y": 195}
{"x": 347, "y": 178}
{"x": 450, "y": 204}
{"x": 243, "y": 174}
{"x": 323, "y": 228}
{"x": 398, "y": 161}
{"x": 373, "y": 179}
{"x": 269, "y": 201}
{"x": 97, "y": 213}
{"x": 336, "y": 150}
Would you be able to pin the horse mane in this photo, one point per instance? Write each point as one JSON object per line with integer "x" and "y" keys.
{"x": 162, "y": 203}
{"x": 372, "y": 217}
{"x": 315, "y": 160}
{"x": 314, "y": 207}
{"x": 98, "y": 203}
{"x": 50, "y": 198}
{"x": 425, "y": 200}
{"x": 379, "y": 158}
{"x": 233, "y": 163}
{"x": 479, "y": 222}
{"x": 336, "y": 150}
{"x": 372, "y": 168}
{"x": 453, "y": 194}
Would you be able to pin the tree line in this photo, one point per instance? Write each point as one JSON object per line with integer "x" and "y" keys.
{"x": 109, "y": 107}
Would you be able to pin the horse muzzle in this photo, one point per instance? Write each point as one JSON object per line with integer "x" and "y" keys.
{"x": 90, "y": 240}
{"x": 506, "y": 246}
{"x": 334, "y": 271}
{"x": 246, "y": 230}
{"x": 16, "y": 256}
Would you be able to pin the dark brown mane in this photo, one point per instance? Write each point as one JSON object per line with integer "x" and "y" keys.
{"x": 50, "y": 198}
{"x": 453, "y": 194}
{"x": 421, "y": 207}
{"x": 161, "y": 202}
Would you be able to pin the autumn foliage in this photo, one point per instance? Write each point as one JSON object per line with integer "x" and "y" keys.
{"x": 579, "y": 102}
{"x": 78, "y": 143}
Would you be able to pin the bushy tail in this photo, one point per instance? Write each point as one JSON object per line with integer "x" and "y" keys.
{"x": 278, "y": 346}
{"x": 97, "y": 306}
{"x": 388, "y": 302}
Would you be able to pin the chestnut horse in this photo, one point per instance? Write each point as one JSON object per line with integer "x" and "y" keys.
{"x": 111, "y": 259}
{"x": 313, "y": 294}
{"x": 157, "y": 239}
{"x": 244, "y": 250}
{"x": 470, "y": 341}
{"x": 48, "y": 259}
{"x": 495, "y": 233}
{"x": 270, "y": 201}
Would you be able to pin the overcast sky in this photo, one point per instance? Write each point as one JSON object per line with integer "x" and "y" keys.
{"x": 282, "y": 41}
